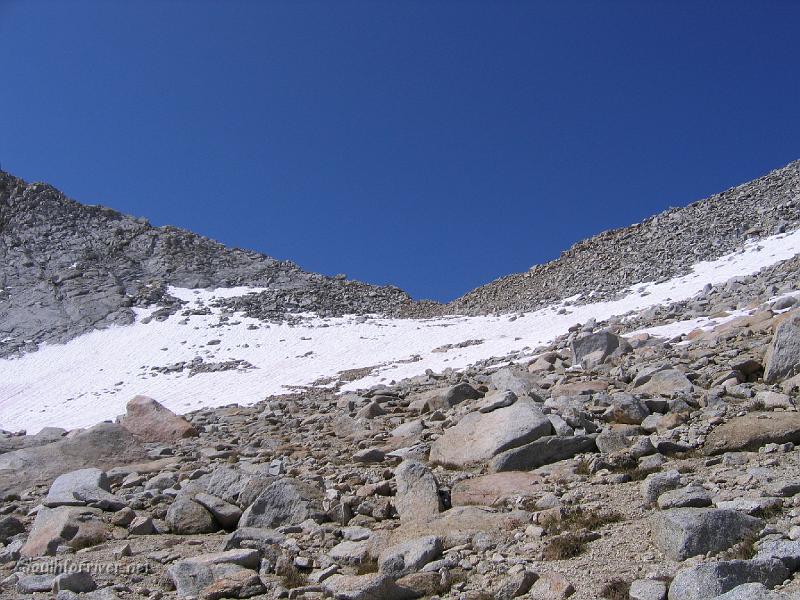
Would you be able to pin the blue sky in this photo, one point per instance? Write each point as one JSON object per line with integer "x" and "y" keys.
{"x": 431, "y": 145}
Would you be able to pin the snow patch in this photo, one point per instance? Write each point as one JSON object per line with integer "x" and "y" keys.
{"x": 91, "y": 378}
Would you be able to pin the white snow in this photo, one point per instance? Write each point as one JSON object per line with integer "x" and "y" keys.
{"x": 91, "y": 378}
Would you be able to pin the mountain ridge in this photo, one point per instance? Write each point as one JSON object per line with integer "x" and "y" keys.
{"x": 68, "y": 268}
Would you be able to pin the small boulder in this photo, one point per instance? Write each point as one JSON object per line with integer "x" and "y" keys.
{"x": 187, "y": 517}
{"x": 685, "y": 532}
{"x": 417, "y": 495}
{"x": 594, "y": 349}
{"x": 286, "y": 502}
{"x": 544, "y": 451}
{"x": 409, "y": 556}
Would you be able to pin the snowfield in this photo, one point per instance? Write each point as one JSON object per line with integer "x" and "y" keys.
{"x": 91, "y": 378}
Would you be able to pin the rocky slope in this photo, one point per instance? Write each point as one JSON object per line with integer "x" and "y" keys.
{"x": 660, "y": 247}
{"x": 614, "y": 464}
{"x": 67, "y": 268}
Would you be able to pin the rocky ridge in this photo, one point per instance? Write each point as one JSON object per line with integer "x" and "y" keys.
{"x": 67, "y": 268}
{"x": 659, "y": 248}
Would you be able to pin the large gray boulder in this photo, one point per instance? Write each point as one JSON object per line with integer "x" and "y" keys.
{"x": 285, "y": 502}
{"x": 417, "y": 492}
{"x": 48, "y": 435}
{"x": 544, "y": 451}
{"x": 656, "y": 484}
{"x": 710, "y": 580}
{"x": 594, "y": 349}
{"x": 409, "y": 557}
{"x": 230, "y": 574}
{"x": 239, "y": 485}
{"x": 187, "y": 517}
{"x": 478, "y": 437}
{"x": 648, "y": 589}
{"x": 783, "y": 354}
{"x": 685, "y": 532}
{"x": 83, "y": 487}
{"x": 754, "y": 591}
{"x": 787, "y": 551}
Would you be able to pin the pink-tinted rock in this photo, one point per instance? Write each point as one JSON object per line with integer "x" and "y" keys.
{"x": 491, "y": 489}
{"x": 150, "y": 421}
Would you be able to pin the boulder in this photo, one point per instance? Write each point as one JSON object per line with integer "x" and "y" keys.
{"x": 286, "y": 502}
{"x": 617, "y": 438}
{"x": 497, "y": 400}
{"x": 690, "y": 496}
{"x": 78, "y": 527}
{"x": 647, "y": 589}
{"x": 656, "y": 484}
{"x": 30, "y": 584}
{"x": 713, "y": 579}
{"x": 754, "y": 591}
{"x": 544, "y": 451}
{"x": 666, "y": 383}
{"x": 409, "y": 557}
{"x": 417, "y": 492}
{"x": 258, "y": 538}
{"x": 685, "y": 532}
{"x": 579, "y": 388}
{"x": 461, "y": 523}
{"x": 752, "y": 431}
{"x": 187, "y": 517}
{"x": 9, "y": 527}
{"x": 458, "y": 393}
{"x": 373, "y": 586}
{"x": 626, "y": 409}
{"x": 83, "y": 487}
{"x": 594, "y": 349}
{"x": 488, "y": 490}
{"x": 226, "y": 514}
{"x": 152, "y": 422}
{"x": 478, "y": 437}
{"x": 515, "y": 584}
{"x": 783, "y": 354}
{"x": 350, "y": 553}
{"x": 369, "y": 455}
{"x": 230, "y": 574}
{"x": 551, "y": 586}
{"x": 78, "y": 581}
{"x": 787, "y": 551}
{"x": 240, "y": 485}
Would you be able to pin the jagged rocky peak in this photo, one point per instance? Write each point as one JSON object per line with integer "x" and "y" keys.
{"x": 67, "y": 268}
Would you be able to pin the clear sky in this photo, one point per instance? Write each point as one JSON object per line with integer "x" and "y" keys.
{"x": 432, "y": 145}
